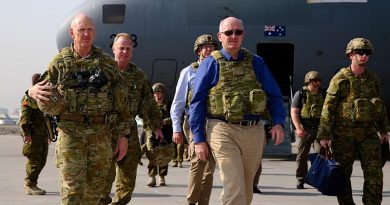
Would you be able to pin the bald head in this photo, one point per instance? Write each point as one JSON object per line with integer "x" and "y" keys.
{"x": 82, "y": 30}
{"x": 81, "y": 18}
{"x": 230, "y": 20}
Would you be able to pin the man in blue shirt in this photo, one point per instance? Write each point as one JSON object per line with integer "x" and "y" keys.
{"x": 232, "y": 90}
{"x": 200, "y": 180}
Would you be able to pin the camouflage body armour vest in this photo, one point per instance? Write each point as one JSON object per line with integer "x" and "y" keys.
{"x": 363, "y": 103}
{"x": 238, "y": 93}
{"x": 85, "y": 98}
{"x": 195, "y": 66}
{"x": 312, "y": 105}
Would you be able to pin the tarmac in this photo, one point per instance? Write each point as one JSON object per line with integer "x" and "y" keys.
{"x": 277, "y": 182}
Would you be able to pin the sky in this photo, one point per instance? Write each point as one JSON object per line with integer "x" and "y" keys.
{"x": 28, "y": 43}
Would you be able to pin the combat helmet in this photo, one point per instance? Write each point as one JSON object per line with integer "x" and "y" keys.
{"x": 359, "y": 44}
{"x": 312, "y": 75}
{"x": 56, "y": 105}
{"x": 205, "y": 39}
{"x": 159, "y": 87}
{"x": 161, "y": 155}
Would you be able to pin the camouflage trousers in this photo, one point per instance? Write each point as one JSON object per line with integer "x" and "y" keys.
{"x": 367, "y": 148}
{"x": 36, "y": 153}
{"x": 154, "y": 170}
{"x": 83, "y": 156}
{"x": 304, "y": 146}
{"x": 123, "y": 172}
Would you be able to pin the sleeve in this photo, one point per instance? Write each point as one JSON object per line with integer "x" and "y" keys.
{"x": 205, "y": 78}
{"x": 331, "y": 102}
{"x": 297, "y": 101}
{"x": 24, "y": 121}
{"x": 179, "y": 101}
{"x": 270, "y": 86}
{"x": 383, "y": 124}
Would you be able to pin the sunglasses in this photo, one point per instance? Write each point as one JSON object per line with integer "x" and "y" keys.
{"x": 238, "y": 32}
{"x": 316, "y": 80}
{"x": 363, "y": 52}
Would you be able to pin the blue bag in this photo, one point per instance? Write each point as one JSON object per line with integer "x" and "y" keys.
{"x": 325, "y": 175}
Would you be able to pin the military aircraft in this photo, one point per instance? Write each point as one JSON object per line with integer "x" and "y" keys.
{"x": 292, "y": 36}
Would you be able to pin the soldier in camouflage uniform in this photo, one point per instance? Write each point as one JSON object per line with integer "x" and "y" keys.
{"x": 200, "y": 180}
{"x": 94, "y": 93}
{"x": 152, "y": 141}
{"x": 306, "y": 109}
{"x": 352, "y": 115}
{"x": 36, "y": 143}
{"x": 141, "y": 104}
{"x": 232, "y": 87}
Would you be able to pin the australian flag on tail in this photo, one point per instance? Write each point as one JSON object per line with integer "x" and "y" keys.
{"x": 273, "y": 30}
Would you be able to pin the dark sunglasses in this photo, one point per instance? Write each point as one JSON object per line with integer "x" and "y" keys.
{"x": 363, "y": 52}
{"x": 316, "y": 80}
{"x": 238, "y": 32}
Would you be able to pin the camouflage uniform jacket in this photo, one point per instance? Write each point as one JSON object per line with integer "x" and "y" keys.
{"x": 335, "y": 117}
{"x": 32, "y": 120}
{"x": 141, "y": 98}
{"x": 58, "y": 71}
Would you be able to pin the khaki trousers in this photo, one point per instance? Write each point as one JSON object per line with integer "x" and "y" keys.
{"x": 200, "y": 180}
{"x": 238, "y": 152}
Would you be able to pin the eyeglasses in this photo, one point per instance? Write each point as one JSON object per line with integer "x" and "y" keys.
{"x": 238, "y": 32}
{"x": 362, "y": 52}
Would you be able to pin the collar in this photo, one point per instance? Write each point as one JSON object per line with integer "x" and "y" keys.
{"x": 230, "y": 58}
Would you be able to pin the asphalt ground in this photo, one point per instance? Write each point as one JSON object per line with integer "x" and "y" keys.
{"x": 277, "y": 182}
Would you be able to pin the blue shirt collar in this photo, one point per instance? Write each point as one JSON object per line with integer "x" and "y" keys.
{"x": 230, "y": 58}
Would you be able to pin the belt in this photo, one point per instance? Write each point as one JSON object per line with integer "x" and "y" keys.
{"x": 86, "y": 119}
{"x": 242, "y": 123}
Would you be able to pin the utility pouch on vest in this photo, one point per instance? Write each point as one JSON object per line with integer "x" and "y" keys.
{"x": 315, "y": 111}
{"x": 90, "y": 103}
{"x": 233, "y": 104}
{"x": 362, "y": 110}
{"x": 258, "y": 101}
{"x": 215, "y": 105}
{"x": 377, "y": 107}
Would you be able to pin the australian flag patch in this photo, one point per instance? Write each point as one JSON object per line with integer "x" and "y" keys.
{"x": 273, "y": 30}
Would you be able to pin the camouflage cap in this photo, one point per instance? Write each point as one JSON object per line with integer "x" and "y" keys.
{"x": 312, "y": 75}
{"x": 359, "y": 44}
{"x": 158, "y": 87}
{"x": 161, "y": 155}
{"x": 56, "y": 105}
{"x": 204, "y": 39}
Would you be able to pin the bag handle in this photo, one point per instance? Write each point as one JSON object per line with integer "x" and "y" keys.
{"x": 328, "y": 152}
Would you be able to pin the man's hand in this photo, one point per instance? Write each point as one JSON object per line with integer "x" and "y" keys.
{"x": 202, "y": 150}
{"x": 178, "y": 137}
{"x": 277, "y": 134}
{"x": 121, "y": 148}
{"x": 41, "y": 91}
{"x": 385, "y": 137}
{"x": 325, "y": 143}
{"x": 27, "y": 139}
{"x": 300, "y": 132}
{"x": 159, "y": 135}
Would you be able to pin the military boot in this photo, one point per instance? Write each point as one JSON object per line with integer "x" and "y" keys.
{"x": 174, "y": 164}
{"x": 180, "y": 165}
{"x": 33, "y": 190}
{"x": 162, "y": 181}
{"x": 152, "y": 181}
